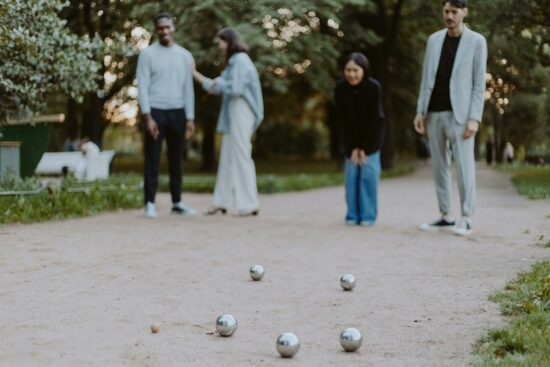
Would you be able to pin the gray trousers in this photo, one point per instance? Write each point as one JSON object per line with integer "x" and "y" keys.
{"x": 445, "y": 137}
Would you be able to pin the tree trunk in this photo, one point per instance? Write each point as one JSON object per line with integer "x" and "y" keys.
{"x": 93, "y": 124}
{"x": 499, "y": 139}
{"x": 208, "y": 116}
{"x": 208, "y": 149}
{"x": 333, "y": 130}
{"x": 71, "y": 122}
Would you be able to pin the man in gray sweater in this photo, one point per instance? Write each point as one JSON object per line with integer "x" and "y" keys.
{"x": 167, "y": 102}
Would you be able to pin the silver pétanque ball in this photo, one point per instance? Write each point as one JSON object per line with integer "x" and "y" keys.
{"x": 257, "y": 272}
{"x": 226, "y": 325}
{"x": 288, "y": 345}
{"x": 351, "y": 339}
{"x": 347, "y": 281}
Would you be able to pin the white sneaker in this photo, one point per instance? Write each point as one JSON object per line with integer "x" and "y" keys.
{"x": 464, "y": 228}
{"x": 182, "y": 209}
{"x": 150, "y": 210}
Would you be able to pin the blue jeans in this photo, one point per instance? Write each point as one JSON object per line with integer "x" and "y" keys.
{"x": 362, "y": 189}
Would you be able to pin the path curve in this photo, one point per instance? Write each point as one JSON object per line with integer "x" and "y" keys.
{"x": 84, "y": 292}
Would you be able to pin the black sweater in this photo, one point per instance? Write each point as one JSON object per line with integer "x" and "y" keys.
{"x": 360, "y": 115}
{"x": 441, "y": 95}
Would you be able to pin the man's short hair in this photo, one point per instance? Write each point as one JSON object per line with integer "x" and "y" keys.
{"x": 456, "y": 3}
{"x": 161, "y": 15}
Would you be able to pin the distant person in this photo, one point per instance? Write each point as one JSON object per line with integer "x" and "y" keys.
{"x": 489, "y": 147}
{"x": 450, "y": 103}
{"x": 167, "y": 102}
{"x": 241, "y": 113}
{"x": 71, "y": 144}
{"x": 89, "y": 150}
{"x": 361, "y": 119}
{"x": 509, "y": 152}
{"x": 88, "y": 147}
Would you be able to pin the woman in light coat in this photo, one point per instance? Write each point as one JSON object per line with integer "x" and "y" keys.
{"x": 241, "y": 113}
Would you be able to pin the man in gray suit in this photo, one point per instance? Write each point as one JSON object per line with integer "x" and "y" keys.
{"x": 450, "y": 106}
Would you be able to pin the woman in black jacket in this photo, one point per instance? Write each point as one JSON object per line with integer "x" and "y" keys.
{"x": 361, "y": 119}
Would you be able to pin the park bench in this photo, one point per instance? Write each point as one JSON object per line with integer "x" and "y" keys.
{"x": 57, "y": 163}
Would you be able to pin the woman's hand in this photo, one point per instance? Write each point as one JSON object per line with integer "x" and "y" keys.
{"x": 362, "y": 157}
{"x": 358, "y": 157}
{"x": 355, "y": 157}
{"x": 198, "y": 76}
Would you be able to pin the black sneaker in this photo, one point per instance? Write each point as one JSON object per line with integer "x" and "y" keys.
{"x": 442, "y": 224}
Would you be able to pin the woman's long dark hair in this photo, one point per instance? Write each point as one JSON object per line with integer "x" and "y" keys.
{"x": 235, "y": 43}
{"x": 361, "y": 60}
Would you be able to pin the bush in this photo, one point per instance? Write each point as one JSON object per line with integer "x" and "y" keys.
{"x": 288, "y": 141}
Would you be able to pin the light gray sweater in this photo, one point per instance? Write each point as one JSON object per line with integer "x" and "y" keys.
{"x": 165, "y": 79}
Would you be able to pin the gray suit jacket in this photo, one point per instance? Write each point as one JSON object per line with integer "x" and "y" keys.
{"x": 467, "y": 85}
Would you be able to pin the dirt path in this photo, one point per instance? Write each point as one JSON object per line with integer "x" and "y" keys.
{"x": 84, "y": 292}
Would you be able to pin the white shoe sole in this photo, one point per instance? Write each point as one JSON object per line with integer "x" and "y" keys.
{"x": 150, "y": 216}
{"x": 462, "y": 233}
{"x": 427, "y": 228}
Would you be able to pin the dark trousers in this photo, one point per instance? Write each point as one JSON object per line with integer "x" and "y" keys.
{"x": 171, "y": 125}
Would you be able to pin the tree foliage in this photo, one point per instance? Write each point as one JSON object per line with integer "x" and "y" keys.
{"x": 297, "y": 47}
{"x": 519, "y": 68}
{"x": 40, "y": 56}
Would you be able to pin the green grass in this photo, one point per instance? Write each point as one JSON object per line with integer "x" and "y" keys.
{"x": 58, "y": 203}
{"x": 134, "y": 165}
{"x": 279, "y": 179}
{"x": 525, "y": 341}
{"x": 543, "y": 242}
{"x": 531, "y": 181}
{"x": 131, "y": 165}
{"x": 124, "y": 191}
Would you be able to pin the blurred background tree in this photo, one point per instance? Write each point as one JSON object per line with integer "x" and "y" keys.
{"x": 121, "y": 39}
{"x": 40, "y": 56}
{"x": 295, "y": 48}
{"x": 518, "y": 95}
{"x": 298, "y": 47}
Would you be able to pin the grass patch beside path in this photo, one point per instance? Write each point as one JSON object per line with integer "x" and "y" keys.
{"x": 525, "y": 341}
{"x": 531, "y": 181}
{"x": 59, "y": 203}
{"x": 77, "y": 199}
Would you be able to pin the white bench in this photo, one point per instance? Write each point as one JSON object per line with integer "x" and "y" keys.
{"x": 84, "y": 168}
